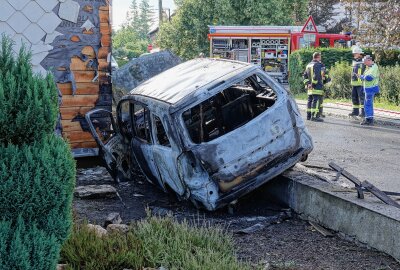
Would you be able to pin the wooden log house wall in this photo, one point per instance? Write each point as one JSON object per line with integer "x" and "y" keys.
{"x": 71, "y": 38}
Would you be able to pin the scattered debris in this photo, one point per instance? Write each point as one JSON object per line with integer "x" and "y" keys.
{"x": 321, "y": 229}
{"x": 364, "y": 186}
{"x": 251, "y": 229}
{"x": 113, "y": 218}
{"x": 95, "y": 191}
{"x": 122, "y": 228}
{"x": 311, "y": 172}
{"x": 270, "y": 219}
{"x": 100, "y": 231}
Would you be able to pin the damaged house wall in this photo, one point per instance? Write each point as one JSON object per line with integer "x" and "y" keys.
{"x": 72, "y": 39}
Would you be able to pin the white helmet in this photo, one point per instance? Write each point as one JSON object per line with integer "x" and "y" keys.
{"x": 357, "y": 49}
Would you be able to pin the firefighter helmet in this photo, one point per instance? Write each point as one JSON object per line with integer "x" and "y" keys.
{"x": 357, "y": 49}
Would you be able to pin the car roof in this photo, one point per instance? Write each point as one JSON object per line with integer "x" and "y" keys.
{"x": 188, "y": 79}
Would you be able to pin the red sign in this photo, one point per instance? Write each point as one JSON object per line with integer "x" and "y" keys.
{"x": 149, "y": 47}
{"x": 310, "y": 26}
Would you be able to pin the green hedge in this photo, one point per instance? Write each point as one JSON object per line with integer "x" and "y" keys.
{"x": 37, "y": 183}
{"x": 37, "y": 170}
{"x": 299, "y": 60}
{"x": 25, "y": 246}
{"x": 389, "y": 84}
{"x": 28, "y": 103}
{"x": 340, "y": 86}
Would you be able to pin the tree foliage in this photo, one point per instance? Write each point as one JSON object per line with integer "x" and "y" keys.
{"x": 324, "y": 13}
{"x": 186, "y": 35}
{"x": 131, "y": 40}
{"x": 375, "y": 23}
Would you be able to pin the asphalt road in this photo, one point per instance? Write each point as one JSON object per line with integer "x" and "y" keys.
{"x": 370, "y": 153}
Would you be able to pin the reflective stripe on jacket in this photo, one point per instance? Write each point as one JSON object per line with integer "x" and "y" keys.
{"x": 358, "y": 69}
{"x": 315, "y": 75}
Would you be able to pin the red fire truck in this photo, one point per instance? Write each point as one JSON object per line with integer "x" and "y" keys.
{"x": 270, "y": 46}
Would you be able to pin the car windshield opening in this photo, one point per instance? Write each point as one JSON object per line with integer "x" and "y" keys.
{"x": 229, "y": 109}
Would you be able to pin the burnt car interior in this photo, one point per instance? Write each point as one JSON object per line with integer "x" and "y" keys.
{"x": 229, "y": 109}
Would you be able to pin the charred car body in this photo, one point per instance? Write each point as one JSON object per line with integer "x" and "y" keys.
{"x": 210, "y": 130}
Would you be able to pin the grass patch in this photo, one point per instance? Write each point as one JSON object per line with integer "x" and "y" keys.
{"x": 153, "y": 242}
{"x": 377, "y": 103}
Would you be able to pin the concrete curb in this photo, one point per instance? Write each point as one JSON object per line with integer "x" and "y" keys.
{"x": 343, "y": 114}
{"x": 369, "y": 221}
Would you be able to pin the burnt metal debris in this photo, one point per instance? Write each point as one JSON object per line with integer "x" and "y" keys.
{"x": 361, "y": 187}
{"x": 209, "y": 130}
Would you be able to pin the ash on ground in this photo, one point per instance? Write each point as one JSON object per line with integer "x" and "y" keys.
{"x": 263, "y": 231}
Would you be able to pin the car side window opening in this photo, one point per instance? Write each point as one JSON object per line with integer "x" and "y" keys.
{"x": 161, "y": 135}
{"x": 141, "y": 120}
{"x": 125, "y": 123}
{"x": 229, "y": 109}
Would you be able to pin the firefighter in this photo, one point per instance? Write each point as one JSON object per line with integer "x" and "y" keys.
{"x": 314, "y": 79}
{"x": 371, "y": 87}
{"x": 357, "y": 93}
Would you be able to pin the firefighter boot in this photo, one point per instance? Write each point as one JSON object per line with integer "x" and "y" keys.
{"x": 354, "y": 113}
{"x": 368, "y": 122}
{"x": 362, "y": 113}
{"x": 317, "y": 119}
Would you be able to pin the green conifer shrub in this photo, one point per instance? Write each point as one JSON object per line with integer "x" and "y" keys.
{"x": 25, "y": 246}
{"x": 28, "y": 103}
{"x": 37, "y": 183}
{"x": 37, "y": 170}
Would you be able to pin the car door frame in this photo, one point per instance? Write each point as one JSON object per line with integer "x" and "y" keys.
{"x": 166, "y": 157}
{"x": 115, "y": 152}
{"x": 142, "y": 150}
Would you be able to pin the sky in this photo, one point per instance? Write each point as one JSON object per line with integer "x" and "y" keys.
{"x": 120, "y": 7}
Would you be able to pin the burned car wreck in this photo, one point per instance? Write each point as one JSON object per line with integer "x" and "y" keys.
{"x": 210, "y": 130}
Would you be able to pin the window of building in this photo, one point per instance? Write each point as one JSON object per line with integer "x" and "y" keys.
{"x": 229, "y": 109}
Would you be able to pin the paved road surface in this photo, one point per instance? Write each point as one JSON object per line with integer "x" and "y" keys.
{"x": 370, "y": 153}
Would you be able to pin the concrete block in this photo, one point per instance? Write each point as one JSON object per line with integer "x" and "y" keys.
{"x": 113, "y": 218}
{"x": 370, "y": 221}
{"x": 119, "y": 228}
{"x": 18, "y": 22}
{"x": 33, "y": 11}
{"x": 6, "y": 10}
{"x": 100, "y": 231}
{"x": 95, "y": 191}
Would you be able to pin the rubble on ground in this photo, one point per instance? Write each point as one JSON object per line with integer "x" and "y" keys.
{"x": 95, "y": 191}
